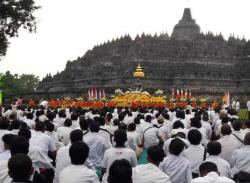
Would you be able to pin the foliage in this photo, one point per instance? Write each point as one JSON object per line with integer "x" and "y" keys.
{"x": 15, "y": 14}
{"x": 15, "y": 85}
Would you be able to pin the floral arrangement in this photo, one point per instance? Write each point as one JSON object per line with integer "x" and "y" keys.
{"x": 159, "y": 92}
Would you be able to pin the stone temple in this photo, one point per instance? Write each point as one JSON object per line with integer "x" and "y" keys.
{"x": 204, "y": 63}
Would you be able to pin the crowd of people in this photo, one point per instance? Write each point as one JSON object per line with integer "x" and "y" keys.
{"x": 123, "y": 145}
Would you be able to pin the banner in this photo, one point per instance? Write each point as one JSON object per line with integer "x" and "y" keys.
{"x": 1, "y": 97}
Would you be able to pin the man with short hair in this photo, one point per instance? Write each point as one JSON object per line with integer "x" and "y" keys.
{"x": 77, "y": 172}
{"x": 20, "y": 168}
{"x": 214, "y": 150}
{"x": 177, "y": 167}
{"x": 150, "y": 172}
{"x": 240, "y": 160}
{"x": 209, "y": 174}
{"x": 195, "y": 153}
{"x": 5, "y": 155}
{"x": 228, "y": 143}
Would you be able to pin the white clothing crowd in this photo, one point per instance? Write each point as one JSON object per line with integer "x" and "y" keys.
{"x": 184, "y": 141}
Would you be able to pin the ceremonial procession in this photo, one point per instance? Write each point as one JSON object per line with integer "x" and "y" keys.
{"x": 163, "y": 108}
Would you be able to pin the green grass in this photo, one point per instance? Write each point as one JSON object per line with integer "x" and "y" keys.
{"x": 243, "y": 114}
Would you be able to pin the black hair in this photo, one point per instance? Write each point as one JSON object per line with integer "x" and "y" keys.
{"x": 50, "y": 127}
{"x": 188, "y": 111}
{"x": 120, "y": 137}
{"x": 224, "y": 120}
{"x": 137, "y": 120}
{"x": 207, "y": 167}
{"x": 194, "y": 137}
{"x": 214, "y": 148}
{"x": 180, "y": 114}
{"x": 62, "y": 113}
{"x": 156, "y": 154}
{"x": 76, "y": 135}
{"x": 84, "y": 124}
{"x": 121, "y": 117}
{"x": 94, "y": 127}
{"x": 24, "y": 132}
{"x": 236, "y": 124}
{"x": 67, "y": 122}
{"x": 7, "y": 138}
{"x": 19, "y": 144}
{"x": 4, "y": 123}
{"x": 120, "y": 171}
{"x": 40, "y": 126}
{"x": 195, "y": 122}
{"x": 176, "y": 146}
{"x": 226, "y": 129}
{"x": 74, "y": 116}
{"x": 148, "y": 118}
{"x": 178, "y": 124}
{"x": 205, "y": 116}
{"x": 78, "y": 153}
{"x": 116, "y": 122}
{"x": 247, "y": 123}
{"x": 165, "y": 115}
{"x": 131, "y": 127}
{"x": 29, "y": 115}
{"x": 123, "y": 126}
{"x": 20, "y": 167}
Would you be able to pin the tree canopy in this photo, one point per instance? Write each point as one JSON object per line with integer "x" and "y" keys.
{"x": 15, "y": 85}
{"x": 15, "y": 14}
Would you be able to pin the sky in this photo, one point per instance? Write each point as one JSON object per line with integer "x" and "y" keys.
{"x": 66, "y": 29}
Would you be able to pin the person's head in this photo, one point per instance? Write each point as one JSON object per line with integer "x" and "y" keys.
{"x": 120, "y": 172}
{"x": 214, "y": 148}
{"x": 180, "y": 114}
{"x": 236, "y": 124}
{"x": 131, "y": 127}
{"x": 116, "y": 122}
{"x": 120, "y": 137}
{"x": 188, "y": 111}
{"x": 67, "y": 122}
{"x": 20, "y": 167}
{"x": 195, "y": 122}
{"x": 121, "y": 117}
{"x": 226, "y": 129}
{"x": 247, "y": 123}
{"x": 30, "y": 115}
{"x": 122, "y": 126}
{"x": 84, "y": 124}
{"x": 148, "y": 118}
{"x": 176, "y": 146}
{"x": 160, "y": 120}
{"x": 62, "y": 113}
{"x": 207, "y": 167}
{"x": 4, "y": 123}
{"x": 205, "y": 116}
{"x": 137, "y": 120}
{"x": 74, "y": 116}
{"x": 40, "y": 126}
{"x": 155, "y": 154}
{"x": 94, "y": 127}
{"x": 6, "y": 140}
{"x": 178, "y": 124}
{"x": 247, "y": 139}
{"x": 19, "y": 145}
{"x": 194, "y": 137}
{"x": 101, "y": 121}
{"x": 78, "y": 153}
{"x": 15, "y": 124}
{"x": 24, "y": 132}
{"x": 165, "y": 115}
{"x": 76, "y": 136}
{"x": 224, "y": 120}
{"x": 50, "y": 127}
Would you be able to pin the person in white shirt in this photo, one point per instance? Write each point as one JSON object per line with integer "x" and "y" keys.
{"x": 196, "y": 124}
{"x": 118, "y": 152}
{"x": 29, "y": 121}
{"x": 240, "y": 160}
{"x": 133, "y": 137}
{"x": 97, "y": 145}
{"x": 177, "y": 167}
{"x": 205, "y": 124}
{"x": 195, "y": 153}
{"x": 228, "y": 143}
{"x": 248, "y": 109}
{"x": 60, "y": 119}
{"x": 64, "y": 131}
{"x": 214, "y": 150}
{"x": 50, "y": 131}
{"x": 237, "y": 106}
{"x": 120, "y": 171}
{"x": 163, "y": 130}
{"x": 247, "y": 129}
{"x": 237, "y": 132}
{"x": 77, "y": 172}
{"x": 75, "y": 121}
{"x": 138, "y": 129}
{"x": 5, "y": 155}
{"x": 104, "y": 130}
{"x": 150, "y": 172}
{"x": 62, "y": 157}
{"x": 209, "y": 174}
{"x": 224, "y": 120}
{"x": 17, "y": 145}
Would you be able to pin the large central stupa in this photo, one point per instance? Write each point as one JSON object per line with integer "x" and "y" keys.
{"x": 205, "y": 63}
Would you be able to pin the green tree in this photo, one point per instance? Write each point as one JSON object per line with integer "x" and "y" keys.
{"x": 15, "y": 14}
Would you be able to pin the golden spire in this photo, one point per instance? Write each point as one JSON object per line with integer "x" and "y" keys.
{"x": 138, "y": 72}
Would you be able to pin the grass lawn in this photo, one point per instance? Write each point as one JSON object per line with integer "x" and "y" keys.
{"x": 243, "y": 114}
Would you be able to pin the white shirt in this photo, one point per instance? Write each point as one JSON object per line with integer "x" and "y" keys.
{"x": 78, "y": 174}
{"x": 237, "y": 105}
{"x": 59, "y": 121}
{"x": 2, "y": 133}
{"x": 149, "y": 173}
{"x": 228, "y": 145}
{"x": 195, "y": 154}
{"x": 5, "y": 155}
{"x": 64, "y": 134}
{"x": 222, "y": 165}
{"x": 97, "y": 147}
{"x": 104, "y": 132}
{"x": 208, "y": 127}
{"x": 240, "y": 160}
{"x": 113, "y": 154}
{"x": 167, "y": 143}
{"x": 30, "y": 123}
{"x": 178, "y": 168}
{"x": 248, "y": 105}
{"x": 4, "y": 176}
{"x": 164, "y": 132}
{"x": 133, "y": 140}
{"x": 150, "y": 137}
{"x": 212, "y": 177}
